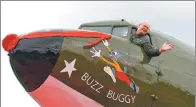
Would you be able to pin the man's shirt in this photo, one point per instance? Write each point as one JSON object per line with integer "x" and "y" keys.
{"x": 144, "y": 42}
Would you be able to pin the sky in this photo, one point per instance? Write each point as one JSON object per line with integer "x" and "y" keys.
{"x": 174, "y": 18}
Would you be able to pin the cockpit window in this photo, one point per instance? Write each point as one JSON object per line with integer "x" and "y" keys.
{"x": 104, "y": 29}
{"x": 120, "y": 31}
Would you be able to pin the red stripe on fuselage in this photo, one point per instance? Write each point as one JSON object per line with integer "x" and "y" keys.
{"x": 53, "y": 93}
{"x": 78, "y": 34}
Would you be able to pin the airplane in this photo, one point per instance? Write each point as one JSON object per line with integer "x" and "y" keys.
{"x": 78, "y": 67}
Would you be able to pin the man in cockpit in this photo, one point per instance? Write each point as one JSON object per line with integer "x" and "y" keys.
{"x": 141, "y": 38}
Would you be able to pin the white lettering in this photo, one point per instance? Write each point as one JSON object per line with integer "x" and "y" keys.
{"x": 109, "y": 95}
{"x": 87, "y": 82}
{"x": 85, "y": 76}
{"x": 127, "y": 100}
{"x": 120, "y": 97}
{"x": 95, "y": 85}
{"x": 123, "y": 98}
{"x": 133, "y": 98}
{"x": 101, "y": 86}
{"x": 92, "y": 86}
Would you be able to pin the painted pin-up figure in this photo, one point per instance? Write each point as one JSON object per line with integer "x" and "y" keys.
{"x": 117, "y": 72}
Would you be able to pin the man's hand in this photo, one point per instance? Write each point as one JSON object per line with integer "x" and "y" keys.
{"x": 166, "y": 46}
{"x": 96, "y": 53}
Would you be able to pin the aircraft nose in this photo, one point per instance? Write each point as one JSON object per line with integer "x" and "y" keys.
{"x": 33, "y": 55}
{"x": 31, "y": 73}
{"x": 32, "y": 60}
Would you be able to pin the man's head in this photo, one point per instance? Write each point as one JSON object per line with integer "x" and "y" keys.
{"x": 143, "y": 28}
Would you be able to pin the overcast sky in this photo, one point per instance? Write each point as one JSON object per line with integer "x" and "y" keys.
{"x": 174, "y": 18}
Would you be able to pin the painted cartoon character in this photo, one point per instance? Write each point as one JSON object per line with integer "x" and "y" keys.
{"x": 114, "y": 55}
{"x": 117, "y": 71}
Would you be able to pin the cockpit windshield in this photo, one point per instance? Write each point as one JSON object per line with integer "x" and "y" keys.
{"x": 120, "y": 31}
{"x": 103, "y": 29}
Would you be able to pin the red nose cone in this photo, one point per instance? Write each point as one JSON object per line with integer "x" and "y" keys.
{"x": 10, "y": 42}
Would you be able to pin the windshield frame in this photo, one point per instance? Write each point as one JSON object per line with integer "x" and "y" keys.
{"x": 126, "y": 37}
{"x": 128, "y": 32}
{"x": 97, "y": 26}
